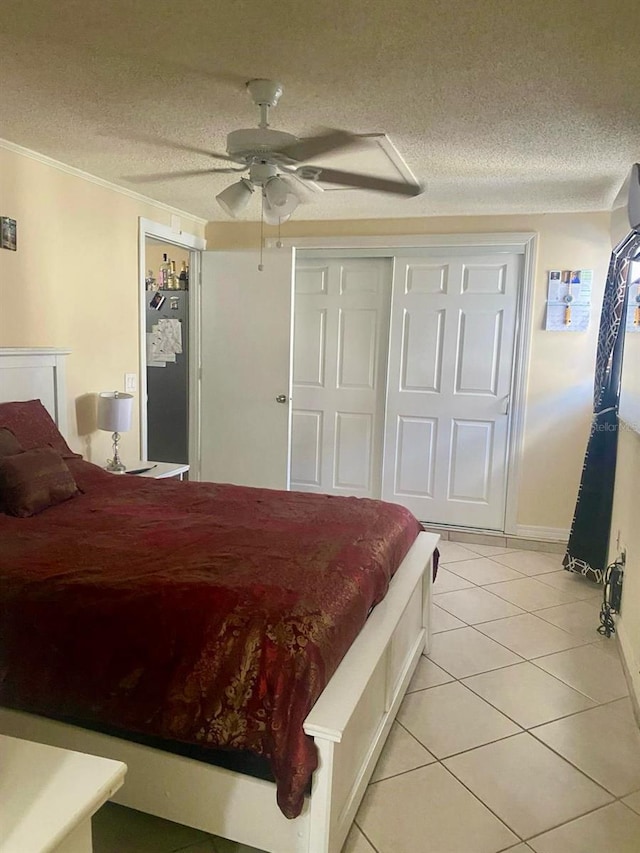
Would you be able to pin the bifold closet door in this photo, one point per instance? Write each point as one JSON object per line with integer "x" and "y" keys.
{"x": 339, "y": 374}
{"x": 450, "y": 375}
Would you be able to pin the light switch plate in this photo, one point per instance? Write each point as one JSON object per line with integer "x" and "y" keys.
{"x": 130, "y": 382}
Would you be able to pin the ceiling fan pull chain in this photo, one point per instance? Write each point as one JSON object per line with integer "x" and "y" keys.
{"x": 260, "y": 265}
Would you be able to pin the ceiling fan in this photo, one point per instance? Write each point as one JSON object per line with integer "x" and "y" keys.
{"x": 272, "y": 158}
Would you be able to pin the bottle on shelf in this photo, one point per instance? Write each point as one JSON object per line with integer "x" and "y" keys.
{"x": 183, "y": 278}
{"x": 172, "y": 283}
{"x": 150, "y": 281}
{"x": 165, "y": 269}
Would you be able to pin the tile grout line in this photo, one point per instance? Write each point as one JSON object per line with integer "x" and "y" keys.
{"x": 523, "y": 729}
{"x": 575, "y": 766}
{"x": 556, "y": 826}
{"x": 524, "y": 660}
{"x": 481, "y": 801}
{"x": 440, "y": 762}
{"x": 566, "y": 684}
{"x": 529, "y": 612}
{"x": 566, "y": 822}
{"x": 417, "y": 740}
{"x": 404, "y": 772}
{"x": 460, "y": 782}
{"x": 355, "y": 821}
{"x": 526, "y": 730}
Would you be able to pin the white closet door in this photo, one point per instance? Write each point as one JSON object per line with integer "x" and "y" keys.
{"x": 246, "y": 366}
{"x": 450, "y": 375}
{"x": 339, "y": 372}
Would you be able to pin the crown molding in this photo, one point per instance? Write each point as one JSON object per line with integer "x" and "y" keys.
{"x": 94, "y": 179}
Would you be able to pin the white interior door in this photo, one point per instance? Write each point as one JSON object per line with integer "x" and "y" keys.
{"x": 450, "y": 376}
{"x": 339, "y": 374}
{"x": 246, "y": 320}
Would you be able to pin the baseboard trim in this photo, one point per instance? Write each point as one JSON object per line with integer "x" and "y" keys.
{"x": 631, "y": 668}
{"x": 549, "y": 534}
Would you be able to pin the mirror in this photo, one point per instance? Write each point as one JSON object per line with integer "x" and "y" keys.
{"x": 629, "y": 410}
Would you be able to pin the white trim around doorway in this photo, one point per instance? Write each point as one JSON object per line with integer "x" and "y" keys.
{"x": 157, "y": 231}
{"x": 524, "y": 244}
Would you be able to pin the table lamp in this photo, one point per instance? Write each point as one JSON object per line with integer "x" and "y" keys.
{"x": 114, "y": 415}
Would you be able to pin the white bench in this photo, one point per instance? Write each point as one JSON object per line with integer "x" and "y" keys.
{"x": 48, "y": 795}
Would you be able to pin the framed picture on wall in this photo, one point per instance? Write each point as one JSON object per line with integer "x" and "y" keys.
{"x": 8, "y": 233}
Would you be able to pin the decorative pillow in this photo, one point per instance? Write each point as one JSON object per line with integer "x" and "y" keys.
{"x": 34, "y": 480}
{"x": 34, "y": 427}
{"x": 9, "y": 444}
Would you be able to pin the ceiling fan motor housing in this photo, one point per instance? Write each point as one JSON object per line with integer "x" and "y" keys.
{"x": 264, "y": 92}
{"x": 259, "y": 143}
{"x": 261, "y": 173}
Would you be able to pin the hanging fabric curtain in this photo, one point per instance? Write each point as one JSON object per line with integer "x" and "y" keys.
{"x": 587, "y": 551}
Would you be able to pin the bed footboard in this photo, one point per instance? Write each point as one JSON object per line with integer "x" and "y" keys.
{"x": 349, "y": 722}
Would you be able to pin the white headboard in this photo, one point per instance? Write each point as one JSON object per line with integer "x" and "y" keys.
{"x": 35, "y": 374}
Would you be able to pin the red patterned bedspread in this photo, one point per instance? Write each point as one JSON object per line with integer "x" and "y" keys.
{"x": 207, "y": 614}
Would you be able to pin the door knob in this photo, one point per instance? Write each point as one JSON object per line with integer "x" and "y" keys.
{"x": 281, "y": 398}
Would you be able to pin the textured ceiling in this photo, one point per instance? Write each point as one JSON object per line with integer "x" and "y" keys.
{"x": 500, "y": 107}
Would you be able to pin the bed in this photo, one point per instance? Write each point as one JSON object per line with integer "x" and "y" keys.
{"x": 348, "y": 719}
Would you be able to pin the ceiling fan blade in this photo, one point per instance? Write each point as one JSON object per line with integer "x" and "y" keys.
{"x": 170, "y": 176}
{"x": 304, "y": 190}
{"x": 181, "y": 146}
{"x": 169, "y": 143}
{"x": 357, "y": 181}
{"x": 323, "y": 143}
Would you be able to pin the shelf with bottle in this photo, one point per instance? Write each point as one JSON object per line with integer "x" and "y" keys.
{"x": 183, "y": 278}
{"x": 168, "y": 278}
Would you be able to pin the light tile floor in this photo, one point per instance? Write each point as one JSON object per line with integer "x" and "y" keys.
{"x": 516, "y": 734}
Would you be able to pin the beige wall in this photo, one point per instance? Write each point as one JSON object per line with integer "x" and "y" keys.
{"x": 625, "y": 534}
{"x": 73, "y": 282}
{"x": 625, "y": 530}
{"x": 561, "y": 365}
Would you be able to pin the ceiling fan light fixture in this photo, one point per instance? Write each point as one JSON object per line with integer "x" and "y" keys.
{"x": 234, "y": 199}
{"x": 282, "y": 200}
{"x": 272, "y": 216}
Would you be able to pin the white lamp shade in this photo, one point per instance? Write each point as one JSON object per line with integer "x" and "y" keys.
{"x": 235, "y": 198}
{"x": 114, "y": 411}
{"x": 282, "y": 200}
{"x": 271, "y": 216}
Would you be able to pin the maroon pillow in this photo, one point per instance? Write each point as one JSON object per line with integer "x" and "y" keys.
{"x": 34, "y": 427}
{"x": 9, "y": 444}
{"x": 33, "y": 481}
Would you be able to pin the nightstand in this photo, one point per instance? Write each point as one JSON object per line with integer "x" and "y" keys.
{"x": 158, "y": 470}
{"x": 47, "y": 796}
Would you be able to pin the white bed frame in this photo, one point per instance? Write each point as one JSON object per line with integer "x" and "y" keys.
{"x": 349, "y": 722}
